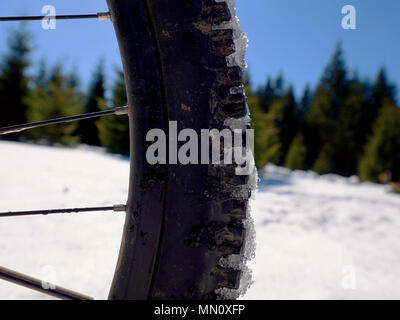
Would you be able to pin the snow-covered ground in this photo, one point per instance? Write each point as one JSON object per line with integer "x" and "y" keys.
{"x": 324, "y": 237}
{"x": 317, "y": 237}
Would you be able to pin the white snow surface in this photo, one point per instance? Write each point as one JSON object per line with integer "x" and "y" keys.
{"x": 80, "y": 249}
{"x": 318, "y": 237}
{"x": 324, "y": 237}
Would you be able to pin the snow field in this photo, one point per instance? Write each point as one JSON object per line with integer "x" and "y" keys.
{"x": 318, "y": 237}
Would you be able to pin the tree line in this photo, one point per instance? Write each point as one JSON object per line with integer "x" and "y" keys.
{"x": 344, "y": 125}
{"x": 53, "y": 92}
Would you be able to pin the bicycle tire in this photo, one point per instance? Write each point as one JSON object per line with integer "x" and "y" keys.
{"x": 186, "y": 225}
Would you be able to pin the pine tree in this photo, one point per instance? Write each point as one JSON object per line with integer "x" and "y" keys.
{"x": 289, "y": 124}
{"x": 305, "y": 101}
{"x": 382, "y": 153}
{"x": 14, "y": 81}
{"x": 296, "y": 156}
{"x": 278, "y": 128}
{"x": 88, "y": 129}
{"x": 334, "y": 78}
{"x": 275, "y": 129}
{"x": 114, "y": 130}
{"x": 324, "y": 162}
{"x": 54, "y": 100}
{"x": 382, "y": 90}
{"x": 351, "y": 129}
{"x": 279, "y": 86}
{"x": 267, "y": 96}
{"x": 274, "y": 89}
{"x": 269, "y": 146}
{"x": 325, "y": 110}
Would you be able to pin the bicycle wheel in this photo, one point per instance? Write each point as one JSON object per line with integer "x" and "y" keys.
{"x": 187, "y": 232}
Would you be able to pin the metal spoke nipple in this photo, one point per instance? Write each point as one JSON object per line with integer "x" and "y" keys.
{"x": 104, "y": 16}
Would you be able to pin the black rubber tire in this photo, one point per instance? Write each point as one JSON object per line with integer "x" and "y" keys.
{"x": 181, "y": 220}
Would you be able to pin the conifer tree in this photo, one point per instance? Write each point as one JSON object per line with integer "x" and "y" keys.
{"x": 296, "y": 156}
{"x": 289, "y": 124}
{"x": 325, "y": 110}
{"x": 351, "y": 130}
{"x": 279, "y": 127}
{"x": 88, "y": 129}
{"x": 267, "y": 96}
{"x": 114, "y": 130}
{"x": 270, "y": 144}
{"x": 324, "y": 162}
{"x": 55, "y": 99}
{"x": 382, "y": 153}
{"x": 274, "y": 89}
{"x": 305, "y": 101}
{"x": 14, "y": 81}
{"x": 382, "y": 89}
{"x": 279, "y": 86}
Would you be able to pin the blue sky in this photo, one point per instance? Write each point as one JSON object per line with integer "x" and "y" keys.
{"x": 293, "y": 37}
{"x": 297, "y": 37}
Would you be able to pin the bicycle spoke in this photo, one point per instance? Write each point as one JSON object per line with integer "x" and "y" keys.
{"x": 115, "y": 208}
{"x": 27, "y": 126}
{"x": 39, "y": 285}
{"x": 99, "y": 16}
